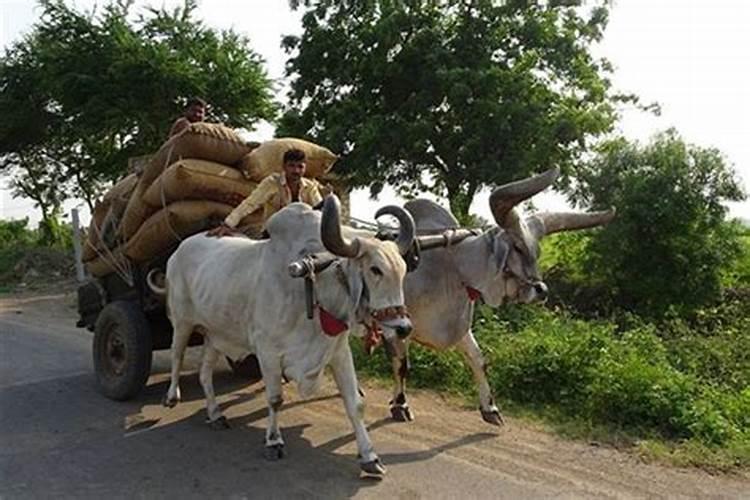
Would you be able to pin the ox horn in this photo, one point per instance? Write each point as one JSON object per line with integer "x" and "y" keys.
{"x": 330, "y": 230}
{"x": 407, "y": 231}
{"x": 567, "y": 221}
{"x": 507, "y": 196}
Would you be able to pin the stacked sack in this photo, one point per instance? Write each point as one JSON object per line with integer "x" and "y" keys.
{"x": 192, "y": 183}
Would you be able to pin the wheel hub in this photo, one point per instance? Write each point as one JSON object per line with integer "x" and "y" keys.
{"x": 116, "y": 353}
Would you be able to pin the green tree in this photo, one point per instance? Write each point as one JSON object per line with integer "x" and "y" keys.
{"x": 471, "y": 93}
{"x": 670, "y": 242}
{"x": 83, "y": 92}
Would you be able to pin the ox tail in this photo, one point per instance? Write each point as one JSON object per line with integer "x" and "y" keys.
{"x": 157, "y": 282}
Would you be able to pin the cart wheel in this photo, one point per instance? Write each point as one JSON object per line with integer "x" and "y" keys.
{"x": 248, "y": 368}
{"x": 122, "y": 350}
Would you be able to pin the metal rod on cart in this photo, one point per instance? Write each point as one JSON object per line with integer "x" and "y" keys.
{"x": 80, "y": 275}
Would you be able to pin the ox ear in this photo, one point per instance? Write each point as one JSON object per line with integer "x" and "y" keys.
{"x": 500, "y": 251}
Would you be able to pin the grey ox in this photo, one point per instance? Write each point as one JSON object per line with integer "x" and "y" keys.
{"x": 239, "y": 294}
{"x": 498, "y": 265}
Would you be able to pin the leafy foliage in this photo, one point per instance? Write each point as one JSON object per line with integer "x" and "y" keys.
{"x": 83, "y": 92}
{"x": 449, "y": 96}
{"x": 669, "y": 244}
{"x": 15, "y": 233}
{"x": 650, "y": 380}
{"x": 27, "y": 254}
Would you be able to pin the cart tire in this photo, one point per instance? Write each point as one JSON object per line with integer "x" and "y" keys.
{"x": 122, "y": 350}
{"x": 247, "y": 369}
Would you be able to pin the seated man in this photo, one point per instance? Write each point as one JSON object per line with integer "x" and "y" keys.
{"x": 195, "y": 111}
{"x": 274, "y": 193}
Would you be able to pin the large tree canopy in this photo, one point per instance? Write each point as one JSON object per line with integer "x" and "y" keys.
{"x": 83, "y": 92}
{"x": 670, "y": 242}
{"x": 472, "y": 93}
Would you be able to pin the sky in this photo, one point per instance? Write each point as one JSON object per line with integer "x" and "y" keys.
{"x": 690, "y": 56}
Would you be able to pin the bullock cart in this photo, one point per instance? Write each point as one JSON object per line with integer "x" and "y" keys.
{"x": 129, "y": 323}
{"x": 190, "y": 184}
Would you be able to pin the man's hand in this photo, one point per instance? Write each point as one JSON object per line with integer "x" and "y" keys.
{"x": 221, "y": 230}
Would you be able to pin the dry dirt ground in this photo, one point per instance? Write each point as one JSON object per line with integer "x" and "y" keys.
{"x": 446, "y": 452}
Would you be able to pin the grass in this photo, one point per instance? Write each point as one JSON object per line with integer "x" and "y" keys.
{"x": 667, "y": 392}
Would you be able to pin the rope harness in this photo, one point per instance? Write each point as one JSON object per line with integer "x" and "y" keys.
{"x": 308, "y": 267}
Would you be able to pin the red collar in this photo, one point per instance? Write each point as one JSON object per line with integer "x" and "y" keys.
{"x": 331, "y": 325}
{"x": 473, "y": 293}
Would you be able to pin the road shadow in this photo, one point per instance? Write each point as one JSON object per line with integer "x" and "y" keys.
{"x": 61, "y": 438}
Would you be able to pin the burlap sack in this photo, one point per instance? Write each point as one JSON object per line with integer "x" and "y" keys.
{"x": 136, "y": 212}
{"x": 107, "y": 262}
{"x": 198, "y": 180}
{"x": 92, "y": 241}
{"x": 177, "y": 221}
{"x": 203, "y": 141}
{"x": 269, "y": 158}
{"x": 106, "y": 217}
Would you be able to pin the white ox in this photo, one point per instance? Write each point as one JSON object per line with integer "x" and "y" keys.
{"x": 239, "y": 294}
{"x": 498, "y": 265}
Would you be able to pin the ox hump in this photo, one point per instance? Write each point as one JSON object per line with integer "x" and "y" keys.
{"x": 296, "y": 222}
{"x": 428, "y": 215}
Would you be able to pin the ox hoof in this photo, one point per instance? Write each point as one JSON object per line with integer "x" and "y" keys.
{"x": 274, "y": 452}
{"x": 401, "y": 413}
{"x": 374, "y": 468}
{"x": 493, "y": 417}
{"x": 219, "y": 424}
{"x": 170, "y": 402}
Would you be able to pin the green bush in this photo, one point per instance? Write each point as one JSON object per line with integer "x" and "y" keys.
{"x": 669, "y": 379}
{"x": 738, "y": 275}
{"x": 670, "y": 245}
{"x": 25, "y": 256}
{"x": 14, "y": 234}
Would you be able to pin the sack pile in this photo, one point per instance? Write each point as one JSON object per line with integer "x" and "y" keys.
{"x": 191, "y": 184}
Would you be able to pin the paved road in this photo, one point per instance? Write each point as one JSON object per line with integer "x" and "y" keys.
{"x": 60, "y": 439}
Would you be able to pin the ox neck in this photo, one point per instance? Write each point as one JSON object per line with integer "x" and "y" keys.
{"x": 333, "y": 291}
{"x": 471, "y": 257}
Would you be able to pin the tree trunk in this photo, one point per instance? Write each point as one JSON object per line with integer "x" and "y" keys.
{"x": 460, "y": 198}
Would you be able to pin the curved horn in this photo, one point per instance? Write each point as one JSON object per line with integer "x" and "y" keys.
{"x": 407, "y": 232}
{"x": 330, "y": 230}
{"x": 507, "y": 196}
{"x": 568, "y": 221}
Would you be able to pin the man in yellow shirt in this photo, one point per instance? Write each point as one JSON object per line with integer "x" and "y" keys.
{"x": 274, "y": 193}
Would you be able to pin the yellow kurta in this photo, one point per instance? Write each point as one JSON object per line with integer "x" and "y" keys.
{"x": 273, "y": 194}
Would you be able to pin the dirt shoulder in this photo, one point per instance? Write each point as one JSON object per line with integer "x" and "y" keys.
{"x": 443, "y": 433}
{"x": 49, "y": 304}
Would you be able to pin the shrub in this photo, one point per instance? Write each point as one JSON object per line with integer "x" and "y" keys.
{"x": 669, "y": 244}
{"x": 666, "y": 379}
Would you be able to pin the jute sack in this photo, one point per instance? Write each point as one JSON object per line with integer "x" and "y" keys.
{"x": 177, "y": 221}
{"x": 93, "y": 234}
{"x": 136, "y": 212}
{"x": 203, "y": 141}
{"x": 198, "y": 180}
{"x": 107, "y": 262}
{"x": 269, "y": 158}
{"x": 106, "y": 217}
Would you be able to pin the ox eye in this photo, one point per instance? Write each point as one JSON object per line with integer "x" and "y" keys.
{"x": 376, "y": 271}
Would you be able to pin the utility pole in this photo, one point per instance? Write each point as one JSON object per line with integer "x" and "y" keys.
{"x": 80, "y": 275}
